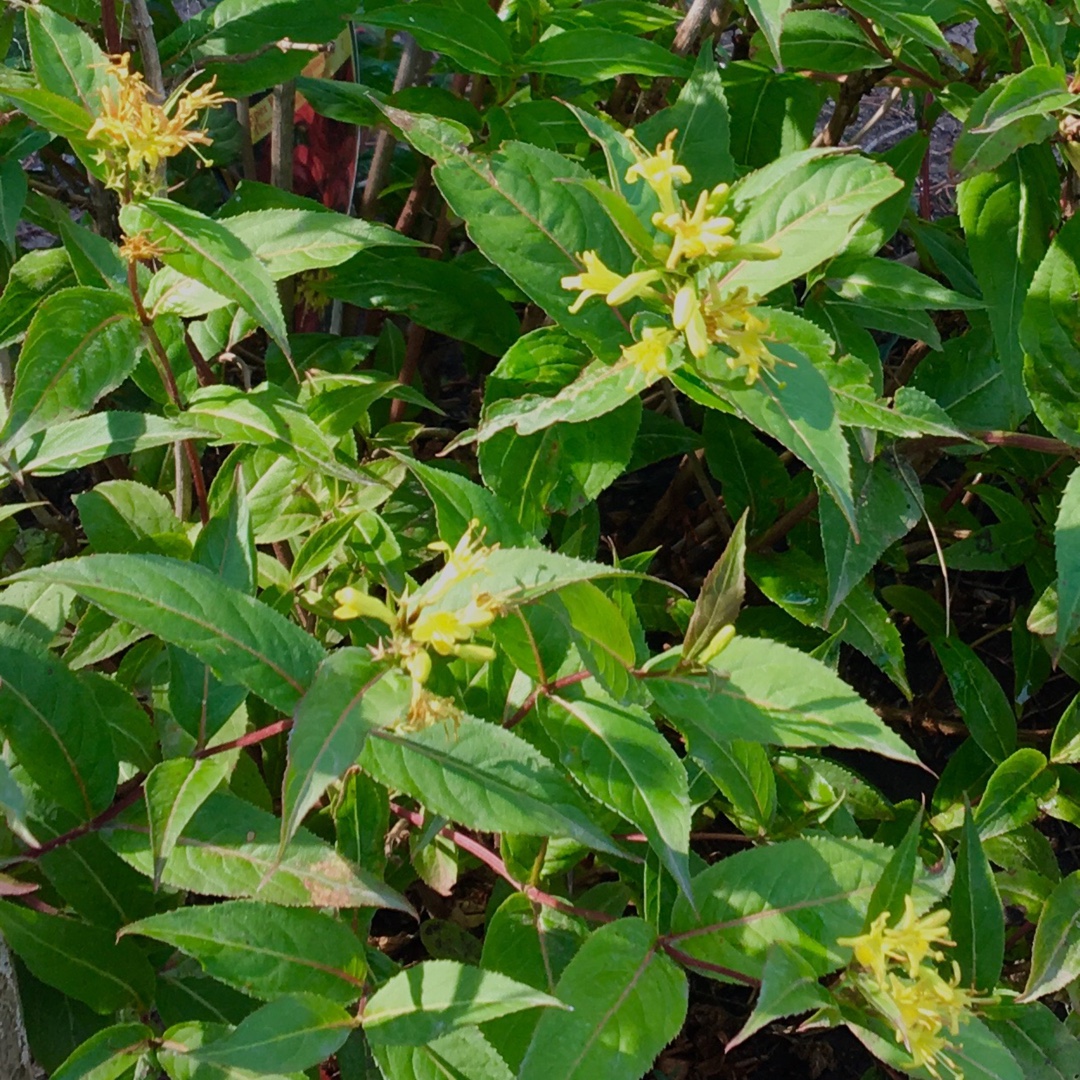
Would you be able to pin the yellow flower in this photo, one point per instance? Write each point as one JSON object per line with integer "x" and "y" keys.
{"x": 686, "y": 315}
{"x": 730, "y": 321}
{"x": 651, "y": 355}
{"x": 922, "y": 1009}
{"x": 660, "y": 172}
{"x": 696, "y": 234}
{"x": 444, "y": 630}
{"x": 909, "y": 942}
{"x": 912, "y": 939}
{"x": 598, "y": 280}
{"x": 463, "y": 561}
{"x": 354, "y": 604}
{"x": 869, "y": 948}
{"x": 136, "y": 134}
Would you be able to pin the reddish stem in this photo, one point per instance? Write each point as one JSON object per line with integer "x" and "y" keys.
{"x": 493, "y": 862}
{"x": 250, "y": 739}
{"x": 528, "y": 704}
{"x": 687, "y": 960}
{"x": 110, "y": 26}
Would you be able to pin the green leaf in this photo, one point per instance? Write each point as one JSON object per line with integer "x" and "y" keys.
{"x": 1048, "y": 336}
{"x": 59, "y": 116}
{"x": 13, "y": 189}
{"x": 458, "y": 501}
{"x": 75, "y": 444}
{"x": 824, "y": 41}
{"x": 979, "y": 697}
{"x": 872, "y": 280}
{"x": 67, "y": 61}
{"x": 807, "y": 205}
{"x": 1041, "y": 1044}
{"x": 721, "y": 596}
{"x": 108, "y": 1055}
{"x": 351, "y": 695}
{"x": 212, "y": 254}
{"x": 288, "y": 1034}
{"x": 1013, "y": 112}
{"x": 1055, "y": 953}
{"x": 700, "y": 118}
{"x": 743, "y": 771}
{"x": 599, "y": 389}
{"x": 230, "y": 848}
{"x": 267, "y": 416}
{"x": 80, "y": 960}
{"x": 293, "y": 241}
{"x": 464, "y": 1054}
{"x": 241, "y": 639}
{"x": 122, "y": 515}
{"x": 81, "y": 344}
{"x": 55, "y": 726}
{"x": 794, "y": 405}
{"x": 265, "y": 950}
{"x": 978, "y": 922}
{"x": 181, "y": 1044}
{"x": 484, "y": 777}
{"x": 896, "y": 16}
{"x": 1013, "y": 794}
{"x": 896, "y": 882}
{"x": 469, "y": 34}
{"x": 769, "y": 15}
{"x": 628, "y": 1000}
{"x": 174, "y": 791}
{"x": 438, "y": 996}
{"x": 1067, "y": 557}
{"x": 567, "y": 465}
{"x": 886, "y": 510}
{"x": 533, "y": 226}
{"x": 617, "y": 755}
{"x": 766, "y": 692}
{"x": 805, "y": 893}
{"x": 1065, "y": 745}
{"x": 439, "y": 295}
{"x": 1043, "y": 30}
{"x": 1009, "y": 215}
{"x": 36, "y": 275}
{"x": 789, "y": 986}
{"x": 592, "y": 55}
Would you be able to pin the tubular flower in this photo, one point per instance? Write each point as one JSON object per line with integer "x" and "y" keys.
{"x": 686, "y": 315}
{"x": 445, "y": 630}
{"x": 696, "y": 234}
{"x": 660, "y": 172}
{"x": 730, "y": 321}
{"x": 135, "y": 134}
{"x": 598, "y": 280}
{"x": 923, "y": 1007}
{"x": 652, "y": 354}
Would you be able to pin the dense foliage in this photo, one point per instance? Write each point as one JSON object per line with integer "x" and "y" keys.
{"x": 352, "y": 721}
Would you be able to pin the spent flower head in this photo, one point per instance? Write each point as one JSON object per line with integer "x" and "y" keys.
{"x": 135, "y": 134}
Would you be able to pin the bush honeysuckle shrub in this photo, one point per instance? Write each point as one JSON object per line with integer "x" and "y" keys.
{"x": 628, "y": 562}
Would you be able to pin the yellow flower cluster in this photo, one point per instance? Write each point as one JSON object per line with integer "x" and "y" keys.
{"x": 420, "y": 623}
{"x": 922, "y": 1006}
{"x": 136, "y": 134}
{"x": 688, "y": 242}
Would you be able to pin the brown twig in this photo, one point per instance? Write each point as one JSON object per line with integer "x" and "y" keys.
{"x": 110, "y": 26}
{"x": 779, "y": 529}
{"x": 143, "y": 26}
